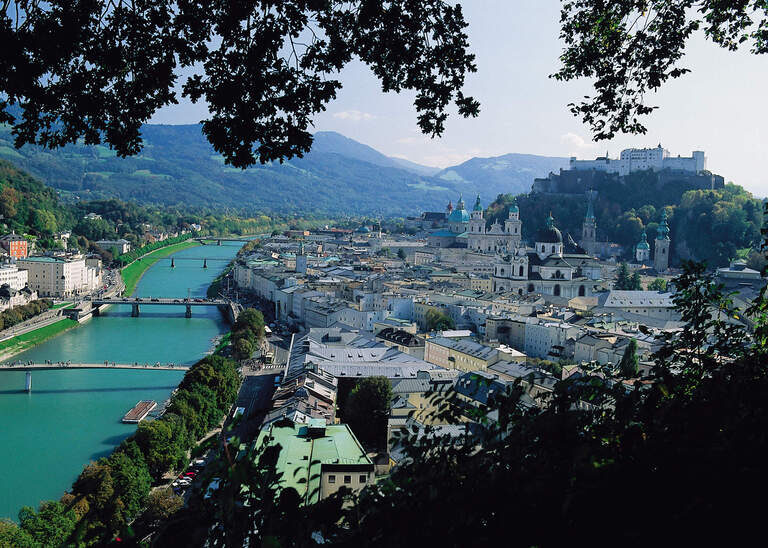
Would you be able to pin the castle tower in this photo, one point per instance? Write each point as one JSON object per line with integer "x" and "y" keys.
{"x": 589, "y": 226}
{"x": 643, "y": 250}
{"x": 661, "y": 245}
{"x": 513, "y": 227}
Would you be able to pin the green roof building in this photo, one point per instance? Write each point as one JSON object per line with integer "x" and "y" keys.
{"x": 318, "y": 459}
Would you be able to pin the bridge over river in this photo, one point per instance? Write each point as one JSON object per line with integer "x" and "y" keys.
{"x": 231, "y": 308}
{"x": 29, "y": 367}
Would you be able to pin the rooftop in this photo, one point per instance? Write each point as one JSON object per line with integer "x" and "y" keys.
{"x": 308, "y": 448}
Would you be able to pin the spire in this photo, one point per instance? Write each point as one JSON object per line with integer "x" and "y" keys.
{"x": 590, "y": 207}
{"x": 478, "y": 207}
{"x": 662, "y": 233}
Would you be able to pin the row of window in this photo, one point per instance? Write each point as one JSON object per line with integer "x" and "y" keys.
{"x": 348, "y": 479}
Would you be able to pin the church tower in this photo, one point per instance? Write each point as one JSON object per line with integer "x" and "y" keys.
{"x": 643, "y": 250}
{"x": 589, "y": 227}
{"x": 661, "y": 246}
{"x": 476, "y": 226}
{"x": 513, "y": 227}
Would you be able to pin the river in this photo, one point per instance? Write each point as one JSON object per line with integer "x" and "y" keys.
{"x": 73, "y": 417}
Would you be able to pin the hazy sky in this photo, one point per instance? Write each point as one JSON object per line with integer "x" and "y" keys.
{"x": 720, "y": 107}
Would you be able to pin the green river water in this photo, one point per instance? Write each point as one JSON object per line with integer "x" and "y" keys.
{"x": 73, "y": 417}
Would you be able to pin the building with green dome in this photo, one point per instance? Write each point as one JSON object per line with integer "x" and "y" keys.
{"x": 643, "y": 250}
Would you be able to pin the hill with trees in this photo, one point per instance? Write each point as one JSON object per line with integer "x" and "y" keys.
{"x": 706, "y": 225}
{"x": 29, "y": 207}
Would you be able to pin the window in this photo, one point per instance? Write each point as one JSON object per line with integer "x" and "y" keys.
{"x": 347, "y": 479}
{"x": 363, "y": 478}
{"x": 331, "y": 479}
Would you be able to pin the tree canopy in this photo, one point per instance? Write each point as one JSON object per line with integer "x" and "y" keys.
{"x": 629, "y": 48}
{"x": 98, "y": 70}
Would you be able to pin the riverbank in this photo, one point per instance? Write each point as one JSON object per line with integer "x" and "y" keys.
{"x": 20, "y": 343}
{"x": 133, "y": 272}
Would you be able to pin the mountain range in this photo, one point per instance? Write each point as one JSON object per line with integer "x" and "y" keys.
{"x": 339, "y": 175}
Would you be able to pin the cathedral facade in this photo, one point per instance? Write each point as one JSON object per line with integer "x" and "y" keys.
{"x": 552, "y": 267}
{"x": 494, "y": 239}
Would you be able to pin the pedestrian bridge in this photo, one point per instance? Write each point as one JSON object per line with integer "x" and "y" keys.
{"x": 29, "y": 367}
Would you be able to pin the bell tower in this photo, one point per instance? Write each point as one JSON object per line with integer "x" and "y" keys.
{"x": 661, "y": 245}
{"x": 589, "y": 226}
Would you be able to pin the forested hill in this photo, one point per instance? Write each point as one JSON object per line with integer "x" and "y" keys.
{"x": 339, "y": 176}
{"x": 709, "y": 225}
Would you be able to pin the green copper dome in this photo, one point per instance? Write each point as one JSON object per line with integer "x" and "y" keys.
{"x": 549, "y": 234}
{"x": 643, "y": 242}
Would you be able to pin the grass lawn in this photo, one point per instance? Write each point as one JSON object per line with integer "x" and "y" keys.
{"x": 133, "y": 272}
{"x": 28, "y": 340}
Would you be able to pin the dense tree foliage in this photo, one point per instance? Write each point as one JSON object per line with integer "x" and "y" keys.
{"x": 705, "y": 225}
{"x": 367, "y": 408}
{"x": 625, "y": 280}
{"x": 628, "y": 366}
{"x": 659, "y": 284}
{"x": 98, "y": 71}
{"x": 628, "y": 49}
{"x": 18, "y": 314}
{"x": 247, "y": 333}
{"x": 438, "y": 320}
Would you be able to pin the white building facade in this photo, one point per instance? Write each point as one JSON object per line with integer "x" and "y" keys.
{"x": 60, "y": 277}
{"x": 641, "y": 159}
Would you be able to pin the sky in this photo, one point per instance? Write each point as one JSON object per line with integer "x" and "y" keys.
{"x": 720, "y": 107}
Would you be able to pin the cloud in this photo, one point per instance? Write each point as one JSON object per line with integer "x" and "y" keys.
{"x": 353, "y": 115}
{"x": 577, "y": 141}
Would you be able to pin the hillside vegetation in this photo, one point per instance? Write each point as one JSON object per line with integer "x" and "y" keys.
{"x": 29, "y": 207}
{"x": 706, "y": 225}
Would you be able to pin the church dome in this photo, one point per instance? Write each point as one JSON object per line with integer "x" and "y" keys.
{"x": 550, "y": 234}
{"x": 458, "y": 216}
{"x": 643, "y": 242}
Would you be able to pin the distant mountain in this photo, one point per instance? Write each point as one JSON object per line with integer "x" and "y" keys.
{"x": 508, "y": 174}
{"x": 339, "y": 176}
{"x": 416, "y": 168}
